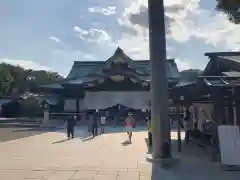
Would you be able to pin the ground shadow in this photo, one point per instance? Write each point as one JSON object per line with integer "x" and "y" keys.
{"x": 60, "y": 141}
{"x": 87, "y": 138}
{"x": 38, "y": 129}
{"x": 126, "y": 143}
{"x": 190, "y": 163}
{"x": 122, "y": 129}
{"x": 8, "y": 133}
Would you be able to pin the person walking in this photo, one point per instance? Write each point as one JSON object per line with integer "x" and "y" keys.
{"x": 94, "y": 126}
{"x": 102, "y": 123}
{"x": 129, "y": 124}
{"x": 149, "y": 123}
{"x": 89, "y": 123}
{"x": 70, "y": 126}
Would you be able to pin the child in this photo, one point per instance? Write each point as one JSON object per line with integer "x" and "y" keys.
{"x": 129, "y": 123}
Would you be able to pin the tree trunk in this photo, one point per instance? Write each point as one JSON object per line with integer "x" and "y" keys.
{"x": 159, "y": 81}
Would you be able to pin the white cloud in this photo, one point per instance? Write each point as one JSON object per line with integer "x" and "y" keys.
{"x": 105, "y": 11}
{"x": 92, "y": 35}
{"x": 136, "y": 47}
{"x": 137, "y": 13}
{"x": 185, "y": 19}
{"x": 53, "y": 38}
{"x": 218, "y": 31}
{"x": 136, "y": 17}
{"x": 210, "y": 26}
{"x": 188, "y": 20}
{"x": 72, "y": 55}
{"x": 183, "y": 64}
{"x": 89, "y": 57}
{"x": 25, "y": 64}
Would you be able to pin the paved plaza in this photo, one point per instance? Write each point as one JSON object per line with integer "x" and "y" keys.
{"x": 39, "y": 155}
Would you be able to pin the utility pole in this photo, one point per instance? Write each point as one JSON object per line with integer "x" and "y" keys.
{"x": 159, "y": 81}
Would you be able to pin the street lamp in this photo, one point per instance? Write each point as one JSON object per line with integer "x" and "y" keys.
{"x": 159, "y": 82}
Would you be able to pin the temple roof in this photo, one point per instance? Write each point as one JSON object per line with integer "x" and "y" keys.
{"x": 222, "y": 70}
{"x": 223, "y": 62}
{"x": 86, "y": 71}
{"x": 84, "y": 68}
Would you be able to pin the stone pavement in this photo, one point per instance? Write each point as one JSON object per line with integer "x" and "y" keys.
{"x": 50, "y": 156}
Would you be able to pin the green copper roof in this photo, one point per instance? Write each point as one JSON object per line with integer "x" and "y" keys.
{"x": 84, "y": 68}
{"x": 85, "y": 71}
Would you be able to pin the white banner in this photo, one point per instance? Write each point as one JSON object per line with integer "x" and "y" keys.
{"x": 106, "y": 99}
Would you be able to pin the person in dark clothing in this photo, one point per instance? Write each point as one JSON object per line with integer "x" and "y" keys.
{"x": 70, "y": 127}
{"x": 187, "y": 118}
{"x": 94, "y": 126}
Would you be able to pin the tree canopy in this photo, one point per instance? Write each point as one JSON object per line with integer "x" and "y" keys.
{"x": 231, "y": 8}
{"x": 14, "y": 79}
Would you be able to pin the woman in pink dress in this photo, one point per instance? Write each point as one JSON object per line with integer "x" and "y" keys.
{"x": 129, "y": 123}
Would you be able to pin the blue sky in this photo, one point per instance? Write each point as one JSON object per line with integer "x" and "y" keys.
{"x": 52, "y": 34}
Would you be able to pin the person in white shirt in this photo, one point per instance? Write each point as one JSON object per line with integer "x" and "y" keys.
{"x": 102, "y": 123}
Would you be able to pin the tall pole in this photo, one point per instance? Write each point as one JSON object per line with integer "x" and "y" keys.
{"x": 159, "y": 81}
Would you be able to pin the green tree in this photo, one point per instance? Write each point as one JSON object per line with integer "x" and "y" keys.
{"x": 30, "y": 107}
{"x": 6, "y": 80}
{"x": 14, "y": 79}
{"x": 231, "y": 8}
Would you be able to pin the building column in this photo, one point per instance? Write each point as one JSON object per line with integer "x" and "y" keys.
{"x": 218, "y": 117}
{"x": 77, "y": 108}
{"x": 179, "y": 121}
{"x": 218, "y": 103}
{"x": 237, "y": 105}
{"x": 159, "y": 81}
{"x": 230, "y": 107}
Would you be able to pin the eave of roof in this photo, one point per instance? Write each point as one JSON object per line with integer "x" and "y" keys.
{"x": 231, "y": 58}
{"x": 52, "y": 86}
{"x": 233, "y": 53}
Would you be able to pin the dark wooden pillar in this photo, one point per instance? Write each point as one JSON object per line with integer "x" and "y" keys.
{"x": 179, "y": 119}
{"x": 77, "y": 108}
{"x": 230, "y": 107}
{"x": 218, "y": 110}
{"x": 218, "y": 105}
{"x": 237, "y": 104}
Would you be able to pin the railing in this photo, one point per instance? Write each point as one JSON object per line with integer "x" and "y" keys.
{"x": 20, "y": 121}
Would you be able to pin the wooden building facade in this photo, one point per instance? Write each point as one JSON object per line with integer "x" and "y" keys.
{"x": 97, "y": 85}
{"x": 215, "y": 95}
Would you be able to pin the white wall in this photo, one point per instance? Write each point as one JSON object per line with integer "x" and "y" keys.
{"x": 105, "y": 99}
{"x": 70, "y": 105}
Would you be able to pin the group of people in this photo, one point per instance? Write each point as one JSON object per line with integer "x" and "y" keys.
{"x": 92, "y": 128}
{"x": 95, "y": 122}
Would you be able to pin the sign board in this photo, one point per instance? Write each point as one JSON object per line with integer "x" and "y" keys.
{"x": 229, "y": 141}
